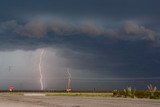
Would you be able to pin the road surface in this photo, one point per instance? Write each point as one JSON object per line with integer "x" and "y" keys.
{"x": 67, "y": 101}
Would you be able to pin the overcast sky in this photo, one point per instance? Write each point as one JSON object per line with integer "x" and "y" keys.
{"x": 106, "y": 44}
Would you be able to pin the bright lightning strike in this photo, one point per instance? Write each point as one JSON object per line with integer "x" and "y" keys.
{"x": 69, "y": 81}
{"x": 40, "y": 69}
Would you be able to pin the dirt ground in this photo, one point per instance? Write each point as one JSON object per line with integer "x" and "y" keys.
{"x": 68, "y": 101}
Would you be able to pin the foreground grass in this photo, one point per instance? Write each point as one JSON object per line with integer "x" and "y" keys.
{"x": 81, "y": 94}
{"x": 85, "y": 94}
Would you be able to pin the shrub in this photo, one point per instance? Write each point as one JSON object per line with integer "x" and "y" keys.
{"x": 129, "y": 92}
{"x": 152, "y": 90}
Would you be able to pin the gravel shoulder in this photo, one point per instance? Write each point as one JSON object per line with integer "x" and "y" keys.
{"x": 68, "y": 101}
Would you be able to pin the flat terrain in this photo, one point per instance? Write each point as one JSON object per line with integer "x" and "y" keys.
{"x": 7, "y": 100}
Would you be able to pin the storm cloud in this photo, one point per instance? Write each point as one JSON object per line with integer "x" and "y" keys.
{"x": 106, "y": 38}
{"x": 47, "y": 32}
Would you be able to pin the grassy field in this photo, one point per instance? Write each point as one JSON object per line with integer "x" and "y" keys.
{"x": 126, "y": 93}
{"x": 87, "y": 94}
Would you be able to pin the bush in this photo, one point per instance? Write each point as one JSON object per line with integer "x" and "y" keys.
{"x": 129, "y": 92}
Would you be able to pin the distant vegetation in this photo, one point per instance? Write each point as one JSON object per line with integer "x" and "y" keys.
{"x": 151, "y": 93}
{"x": 129, "y": 92}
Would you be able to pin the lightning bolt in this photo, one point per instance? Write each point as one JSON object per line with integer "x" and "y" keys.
{"x": 40, "y": 69}
{"x": 69, "y": 80}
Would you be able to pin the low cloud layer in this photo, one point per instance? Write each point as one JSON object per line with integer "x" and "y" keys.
{"x": 40, "y": 27}
{"x": 132, "y": 28}
{"x": 46, "y": 32}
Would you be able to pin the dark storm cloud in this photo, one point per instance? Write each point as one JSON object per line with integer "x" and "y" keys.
{"x": 99, "y": 46}
{"x": 121, "y": 36}
{"x": 47, "y": 32}
{"x": 40, "y": 27}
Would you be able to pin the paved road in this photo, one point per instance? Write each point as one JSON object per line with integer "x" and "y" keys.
{"x": 64, "y": 101}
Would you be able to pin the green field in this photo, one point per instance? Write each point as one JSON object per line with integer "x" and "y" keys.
{"x": 87, "y": 94}
{"x": 126, "y": 93}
